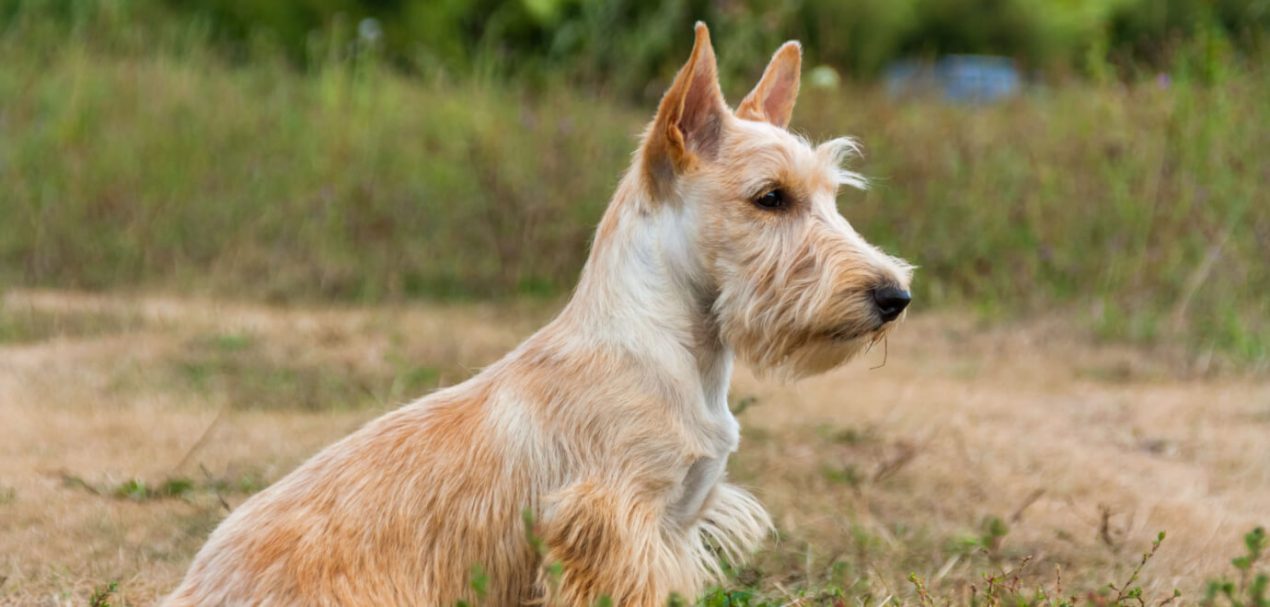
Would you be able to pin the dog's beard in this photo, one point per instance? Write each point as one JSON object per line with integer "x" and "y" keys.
{"x": 821, "y": 355}
{"x": 818, "y": 356}
{"x": 791, "y": 352}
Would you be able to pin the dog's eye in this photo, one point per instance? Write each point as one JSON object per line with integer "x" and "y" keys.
{"x": 773, "y": 199}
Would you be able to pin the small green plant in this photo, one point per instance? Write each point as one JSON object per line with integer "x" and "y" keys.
{"x": 531, "y": 535}
{"x": 232, "y": 342}
{"x": 478, "y": 581}
{"x": 743, "y": 403}
{"x": 988, "y": 539}
{"x": 723, "y": 598}
{"x": 846, "y": 474}
{"x": 138, "y": 490}
{"x": 101, "y": 595}
{"x": 1128, "y": 594}
{"x": 1253, "y": 587}
{"x": 172, "y": 487}
{"x": 919, "y": 585}
{"x": 1001, "y": 587}
{"x": 8, "y": 495}
{"x": 994, "y": 532}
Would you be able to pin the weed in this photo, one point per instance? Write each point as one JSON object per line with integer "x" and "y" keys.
{"x": 253, "y": 378}
{"x": 138, "y": 490}
{"x": 992, "y": 531}
{"x": 173, "y": 487}
{"x": 1003, "y": 585}
{"x": 846, "y": 474}
{"x": 1253, "y": 587}
{"x": 743, "y": 403}
{"x": 478, "y": 581}
{"x": 1127, "y": 593}
{"x": 27, "y": 325}
{"x": 101, "y": 595}
{"x": 923, "y": 597}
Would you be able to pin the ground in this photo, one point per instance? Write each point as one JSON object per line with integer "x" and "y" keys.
{"x": 129, "y": 425}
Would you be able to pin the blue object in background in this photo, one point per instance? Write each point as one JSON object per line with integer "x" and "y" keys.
{"x": 959, "y": 78}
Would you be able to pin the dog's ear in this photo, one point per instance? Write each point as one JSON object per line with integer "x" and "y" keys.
{"x": 689, "y": 122}
{"x": 772, "y": 99}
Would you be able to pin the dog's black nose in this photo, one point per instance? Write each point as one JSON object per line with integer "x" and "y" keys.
{"x": 891, "y": 302}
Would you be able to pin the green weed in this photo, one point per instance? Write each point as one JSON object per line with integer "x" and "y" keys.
{"x": 1010, "y": 585}
{"x": 171, "y": 487}
{"x": 101, "y": 595}
{"x": 21, "y": 326}
{"x": 1252, "y": 589}
{"x": 8, "y": 495}
{"x": 251, "y": 378}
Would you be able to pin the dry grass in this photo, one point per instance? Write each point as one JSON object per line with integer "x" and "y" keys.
{"x": 132, "y": 423}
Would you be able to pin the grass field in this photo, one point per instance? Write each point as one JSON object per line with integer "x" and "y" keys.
{"x": 132, "y": 424}
{"x": 130, "y": 161}
{"x": 214, "y": 263}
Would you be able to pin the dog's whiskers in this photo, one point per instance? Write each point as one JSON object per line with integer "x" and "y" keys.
{"x": 885, "y": 351}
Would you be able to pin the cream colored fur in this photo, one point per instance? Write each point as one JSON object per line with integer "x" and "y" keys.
{"x": 590, "y": 461}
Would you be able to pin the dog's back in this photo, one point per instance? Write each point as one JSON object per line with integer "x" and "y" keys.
{"x": 397, "y": 513}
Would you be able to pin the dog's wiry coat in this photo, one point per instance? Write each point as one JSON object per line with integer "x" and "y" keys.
{"x": 606, "y": 433}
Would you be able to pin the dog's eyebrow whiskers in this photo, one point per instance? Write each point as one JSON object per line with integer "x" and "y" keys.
{"x": 836, "y": 152}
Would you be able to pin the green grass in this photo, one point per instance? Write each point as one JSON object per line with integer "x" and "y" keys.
{"x": 159, "y": 164}
{"x": 1013, "y": 581}
{"x": 26, "y": 326}
{"x": 250, "y": 376}
{"x": 172, "y": 487}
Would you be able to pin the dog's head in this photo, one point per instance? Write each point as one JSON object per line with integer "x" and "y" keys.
{"x": 795, "y": 289}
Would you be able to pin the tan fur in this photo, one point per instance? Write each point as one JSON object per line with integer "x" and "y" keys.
{"x": 772, "y": 99}
{"x": 589, "y": 462}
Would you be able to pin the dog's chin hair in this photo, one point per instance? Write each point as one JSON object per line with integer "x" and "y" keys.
{"x": 811, "y": 358}
{"x": 814, "y": 357}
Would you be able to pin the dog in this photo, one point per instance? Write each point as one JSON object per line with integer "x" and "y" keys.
{"x": 588, "y": 464}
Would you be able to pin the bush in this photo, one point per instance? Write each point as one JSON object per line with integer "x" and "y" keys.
{"x": 622, "y": 45}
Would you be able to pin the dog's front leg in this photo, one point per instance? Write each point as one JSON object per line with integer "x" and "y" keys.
{"x": 611, "y": 542}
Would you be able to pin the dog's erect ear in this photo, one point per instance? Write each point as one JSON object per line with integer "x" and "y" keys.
{"x": 772, "y": 99}
{"x": 689, "y": 121}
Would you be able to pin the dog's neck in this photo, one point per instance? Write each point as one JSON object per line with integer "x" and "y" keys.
{"x": 643, "y": 289}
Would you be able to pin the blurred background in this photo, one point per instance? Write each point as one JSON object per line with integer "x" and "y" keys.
{"x": 232, "y": 230}
{"x": 377, "y": 150}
